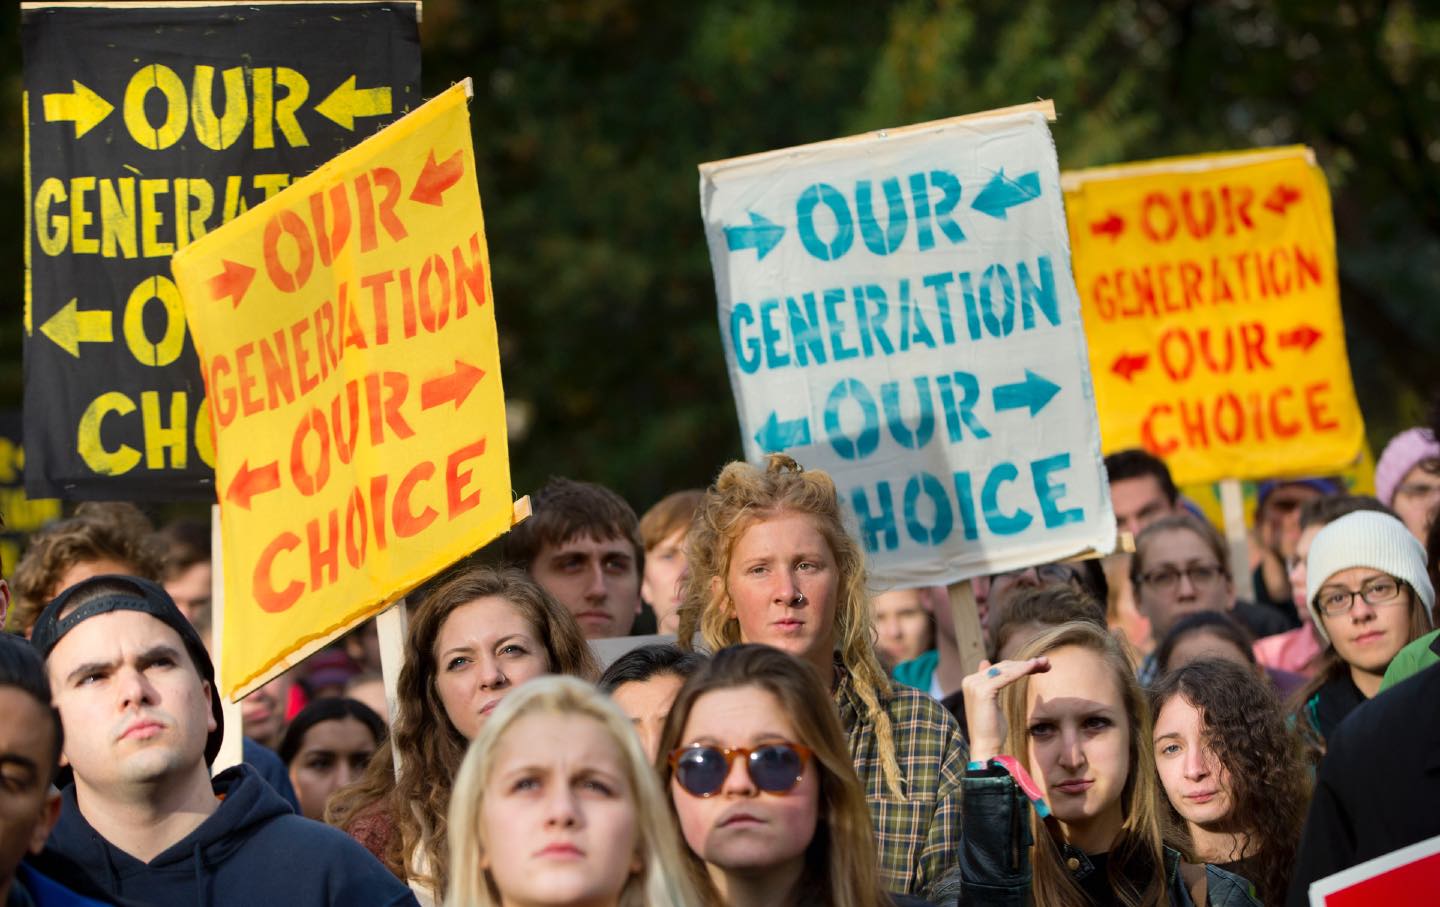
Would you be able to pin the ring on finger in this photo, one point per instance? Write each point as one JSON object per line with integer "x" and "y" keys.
{"x": 993, "y": 672}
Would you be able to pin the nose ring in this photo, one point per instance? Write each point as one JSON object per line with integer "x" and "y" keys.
{"x": 799, "y": 598}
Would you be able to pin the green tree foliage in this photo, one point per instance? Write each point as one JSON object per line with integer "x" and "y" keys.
{"x": 591, "y": 116}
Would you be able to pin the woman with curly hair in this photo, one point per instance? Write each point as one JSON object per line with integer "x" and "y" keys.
{"x": 476, "y": 637}
{"x": 771, "y": 562}
{"x": 1232, "y": 766}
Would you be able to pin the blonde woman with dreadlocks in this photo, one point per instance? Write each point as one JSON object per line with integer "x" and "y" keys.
{"x": 771, "y": 563}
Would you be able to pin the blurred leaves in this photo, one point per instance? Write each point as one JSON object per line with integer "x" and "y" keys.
{"x": 591, "y": 116}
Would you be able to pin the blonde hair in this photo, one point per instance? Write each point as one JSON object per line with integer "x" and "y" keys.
{"x": 1138, "y": 851}
{"x": 662, "y": 882}
{"x": 744, "y": 495}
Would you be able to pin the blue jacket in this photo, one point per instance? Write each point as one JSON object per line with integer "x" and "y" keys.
{"x": 31, "y": 887}
{"x": 251, "y": 851}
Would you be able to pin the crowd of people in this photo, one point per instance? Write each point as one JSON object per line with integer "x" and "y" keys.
{"x": 710, "y": 705}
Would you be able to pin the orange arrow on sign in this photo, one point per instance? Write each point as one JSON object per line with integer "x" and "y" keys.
{"x": 1127, "y": 365}
{"x": 454, "y": 386}
{"x": 251, "y": 482}
{"x": 232, "y": 282}
{"x": 436, "y": 178}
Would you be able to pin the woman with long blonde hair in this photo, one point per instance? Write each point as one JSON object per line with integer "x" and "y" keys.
{"x": 771, "y": 562}
{"x": 1066, "y": 726}
{"x": 472, "y": 641}
{"x": 557, "y": 805}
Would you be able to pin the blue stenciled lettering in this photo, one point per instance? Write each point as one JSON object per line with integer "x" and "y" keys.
{"x": 869, "y": 438}
{"x": 1042, "y": 295}
{"x": 938, "y": 282}
{"x": 1004, "y": 323}
{"x": 775, "y": 355}
{"x": 949, "y": 185}
{"x": 1049, "y": 492}
{"x": 747, "y": 350}
{"x": 897, "y": 221}
{"x": 997, "y": 522}
{"x": 912, "y": 320}
{"x": 872, "y": 323}
{"x": 875, "y": 528}
{"x": 805, "y": 331}
{"x": 838, "y": 350}
{"x": 939, "y": 531}
{"x": 805, "y": 222}
{"x": 960, "y": 412}
{"x": 903, "y": 435}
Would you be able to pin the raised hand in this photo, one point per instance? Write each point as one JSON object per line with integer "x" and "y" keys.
{"x": 983, "y": 716}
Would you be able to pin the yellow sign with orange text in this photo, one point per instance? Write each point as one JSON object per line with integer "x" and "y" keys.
{"x": 348, "y": 343}
{"x": 1211, "y": 303}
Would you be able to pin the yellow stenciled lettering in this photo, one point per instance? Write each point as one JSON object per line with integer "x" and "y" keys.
{"x": 91, "y": 447}
{"x": 151, "y": 220}
{"x": 160, "y": 437}
{"x": 156, "y": 77}
{"x": 194, "y": 203}
{"x": 220, "y": 132}
{"x": 168, "y": 348}
{"x": 297, "y": 90}
{"x": 117, "y": 217}
{"x": 51, "y": 230}
{"x": 81, "y": 217}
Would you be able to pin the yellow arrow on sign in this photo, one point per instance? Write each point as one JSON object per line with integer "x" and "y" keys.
{"x": 83, "y": 106}
{"x": 347, "y": 102}
{"x": 71, "y": 327}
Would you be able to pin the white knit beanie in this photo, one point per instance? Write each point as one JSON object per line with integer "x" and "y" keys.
{"x": 1366, "y": 538}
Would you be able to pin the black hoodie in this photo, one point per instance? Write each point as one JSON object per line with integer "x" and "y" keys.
{"x": 251, "y": 851}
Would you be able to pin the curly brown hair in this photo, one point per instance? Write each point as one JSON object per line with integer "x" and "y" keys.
{"x": 430, "y": 748}
{"x": 112, "y": 531}
{"x": 1247, "y": 730}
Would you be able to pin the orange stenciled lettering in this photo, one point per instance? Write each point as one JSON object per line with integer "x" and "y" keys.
{"x": 264, "y": 588}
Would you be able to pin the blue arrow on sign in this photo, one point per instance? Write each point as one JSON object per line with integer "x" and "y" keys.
{"x": 775, "y": 436}
{"x": 762, "y": 235}
{"x": 1032, "y": 393}
{"x": 1003, "y": 193}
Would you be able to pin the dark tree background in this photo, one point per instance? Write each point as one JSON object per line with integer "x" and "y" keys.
{"x": 591, "y": 116}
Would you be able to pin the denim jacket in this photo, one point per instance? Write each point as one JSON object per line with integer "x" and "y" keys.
{"x": 995, "y": 852}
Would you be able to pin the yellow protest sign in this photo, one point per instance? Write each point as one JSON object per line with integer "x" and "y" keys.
{"x": 1211, "y": 303}
{"x": 348, "y": 344}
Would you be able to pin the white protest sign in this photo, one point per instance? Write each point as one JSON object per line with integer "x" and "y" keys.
{"x": 898, "y": 310}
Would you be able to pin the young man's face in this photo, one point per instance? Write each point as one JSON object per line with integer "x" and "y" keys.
{"x": 27, "y": 759}
{"x": 134, "y": 707}
{"x": 597, "y": 580}
{"x": 1138, "y": 502}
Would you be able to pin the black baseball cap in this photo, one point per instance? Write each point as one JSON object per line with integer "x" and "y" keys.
{"x": 130, "y": 593}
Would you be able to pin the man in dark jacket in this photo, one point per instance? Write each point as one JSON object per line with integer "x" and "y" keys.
{"x": 1378, "y": 785}
{"x": 136, "y": 694}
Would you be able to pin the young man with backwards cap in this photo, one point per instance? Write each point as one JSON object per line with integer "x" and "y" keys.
{"x": 136, "y": 693}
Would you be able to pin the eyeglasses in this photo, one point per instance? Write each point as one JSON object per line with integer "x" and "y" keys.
{"x": 1418, "y": 491}
{"x": 1337, "y": 600}
{"x": 1167, "y": 579}
{"x": 774, "y": 767}
{"x": 1048, "y": 574}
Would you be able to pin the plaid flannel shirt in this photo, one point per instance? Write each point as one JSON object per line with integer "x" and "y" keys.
{"x": 918, "y": 837}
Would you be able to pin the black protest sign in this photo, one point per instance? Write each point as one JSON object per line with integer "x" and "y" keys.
{"x": 146, "y": 127}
